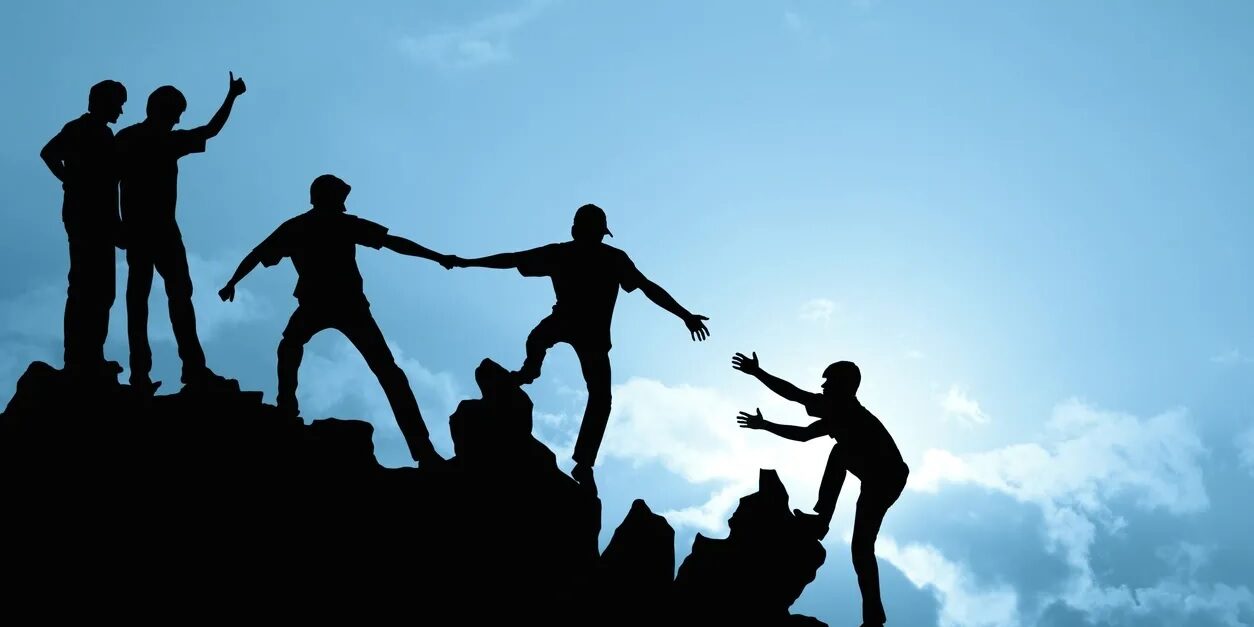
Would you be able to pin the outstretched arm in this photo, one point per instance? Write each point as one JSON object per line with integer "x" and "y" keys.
{"x": 750, "y": 366}
{"x": 250, "y": 261}
{"x": 502, "y": 261}
{"x": 663, "y": 299}
{"x": 789, "y": 432}
{"x": 403, "y": 246}
{"x": 218, "y": 120}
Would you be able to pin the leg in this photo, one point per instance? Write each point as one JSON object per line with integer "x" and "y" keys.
{"x": 829, "y": 487}
{"x": 89, "y": 298}
{"x": 362, "y": 330}
{"x": 539, "y": 341}
{"x": 596, "y": 374}
{"x": 138, "y": 286}
{"x": 171, "y": 262}
{"x": 873, "y": 504}
{"x": 303, "y": 325}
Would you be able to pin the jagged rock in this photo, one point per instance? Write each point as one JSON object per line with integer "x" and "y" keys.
{"x": 756, "y": 574}
{"x": 636, "y": 571}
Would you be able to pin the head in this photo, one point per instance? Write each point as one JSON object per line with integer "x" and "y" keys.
{"x": 329, "y": 192}
{"x": 106, "y": 99}
{"x": 590, "y": 224}
{"x": 841, "y": 379}
{"x": 166, "y": 105}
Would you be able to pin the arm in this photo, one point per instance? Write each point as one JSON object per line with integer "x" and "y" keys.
{"x": 413, "y": 249}
{"x": 218, "y": 120}
{"x": 502, "y": 261}
{"x": 250, "y": 261}
{"x": 788, "y": 432}
{"x": 53, "y": 155}
{"x": 663, "y": 299}
{"x": 773, "y": 383}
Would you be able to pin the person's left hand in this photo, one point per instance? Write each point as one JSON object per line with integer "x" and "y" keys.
{"x": 751, "y": 421}
{"x": 696, "y": 326}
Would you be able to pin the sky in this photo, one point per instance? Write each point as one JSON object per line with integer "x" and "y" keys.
{"x": 1029, "y": 224}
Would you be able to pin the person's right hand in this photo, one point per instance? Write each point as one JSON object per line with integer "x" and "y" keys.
{"x": 751, "y": 421}
{"x": 227, "y": 293}
{"x": 237, "y": 86}
{"x": 452, "y": 261}
{"x": 747, "y": 365}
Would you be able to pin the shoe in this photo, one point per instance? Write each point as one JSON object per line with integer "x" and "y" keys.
{"x": 207, "y": 379}
{"x": 583, "y": 475}
{"x": 520, "y": 378}
{"x": 813, "y": 524}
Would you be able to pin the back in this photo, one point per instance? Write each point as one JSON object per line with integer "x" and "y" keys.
{"x": 148, "y": 158}
{"x": 861, "y": 435}
{"x": 87, "y": 147}
{"x": 586, "y": 279}
{"x": 322, "y": 244}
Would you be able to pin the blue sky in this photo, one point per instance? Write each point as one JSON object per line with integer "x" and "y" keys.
{"x": 1028, "y": 223}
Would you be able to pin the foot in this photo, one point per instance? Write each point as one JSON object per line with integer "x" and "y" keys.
{"x": 813, "y": 524}
{"x": 429, "y": 458}
{"x": 289, "y": 410}
{"x": 207, "y": 378}
{"x": 144, "y": 386}
{"x": 522, "y": 377}
{"x": 583, "y": 475}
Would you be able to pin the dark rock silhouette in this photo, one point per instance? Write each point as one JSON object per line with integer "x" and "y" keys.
{"x": 118, "y": 503}
{"x": 755, "y": 575}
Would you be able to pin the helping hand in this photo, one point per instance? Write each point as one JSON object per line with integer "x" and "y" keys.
{"x": 227, "y": 293}
{"x": 746, "y": 365}
{"x": 751, "y": 421}
{"x": 237, "y": 86}
{"x": 696, "y": 327}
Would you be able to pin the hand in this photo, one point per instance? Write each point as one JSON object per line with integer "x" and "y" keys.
{"x": 237, "y": 85}
{"x": 227, "y": 293}
{"x": 451, "y": 261}
{"x": 747, "y": 365}
{"x": 751, "y": 421}
{"x": 696, "y": 327}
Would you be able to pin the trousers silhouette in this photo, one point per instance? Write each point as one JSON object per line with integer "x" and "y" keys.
{"x": 359, "y": 326}
{"x": 166, "y": 256}
{"x": 90, "y": 295}
{"x": 878, "y": 494}
{"x": 595, "y": 362}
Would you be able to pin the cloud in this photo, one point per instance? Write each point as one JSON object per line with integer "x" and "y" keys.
{"x": 1232, "y": 357}
{"x": 477, "y": 44}
{"x": 958, "y": 405}
{"x": 818, "y": 310}
{"x": 1093, "y": 457}
{"x": 1245, "y": 449}
{"x": 964, "y": 602}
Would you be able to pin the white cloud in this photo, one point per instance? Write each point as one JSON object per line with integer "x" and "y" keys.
{"x": 480, "y": 43}
{"x": 1245, "y": 449}
{"x": 818, "y": 310}
{"x": 964, "y": 602}
{"x": 1232, "y": 357}
{"x": 1092, "y": 458}
{"x": 965, "y": 409}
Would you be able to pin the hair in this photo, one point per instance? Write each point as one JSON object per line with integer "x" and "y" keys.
{"x": 846, "y": 376}
{"x": 328, "y": 189}
{"x": 104, "y": 94}
{"x": 166, "y": 101}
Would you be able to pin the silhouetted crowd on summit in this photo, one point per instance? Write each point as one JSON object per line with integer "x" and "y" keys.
{"x": 120, "y": 192}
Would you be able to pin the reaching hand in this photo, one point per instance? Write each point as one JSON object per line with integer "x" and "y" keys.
{"x": 452, "y": 261}
{"x": 237, "y": 85}
{"x": 751, "y": 421}
{"x": 227, "y": 293}
{"x": 696, "y": 327}
{"x": 747, "y": 365}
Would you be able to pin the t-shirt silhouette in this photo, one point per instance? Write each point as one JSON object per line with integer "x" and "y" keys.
{"x": 871, "y": 450}
{"x": 323, "y": 246}
{"x": 149, "y": 171}
{"x": 586, "y": 279}
{"x": 86, "y": 147}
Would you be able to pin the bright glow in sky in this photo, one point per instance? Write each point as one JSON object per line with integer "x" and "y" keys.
{"x": 1029, "y": 224}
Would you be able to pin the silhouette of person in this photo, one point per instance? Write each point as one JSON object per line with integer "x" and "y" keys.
{"x": 149, "y": 153}
{"x": 81, "y": 156}
{"x": 863, "y": 447}
{"x": 586, "y": 275}
{"x": 322, "y": 243}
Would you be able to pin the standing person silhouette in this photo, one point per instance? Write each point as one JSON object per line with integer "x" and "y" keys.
{"x": 587, "y": 275}
{"x": 149, "y": 153}
{"x": 863, "y": 447}
{"x": 322, "y": 243}
{"x": 82, "y": 157}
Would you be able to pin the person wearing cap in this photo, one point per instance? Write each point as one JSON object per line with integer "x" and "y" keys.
{"x": 863, "y": 447}
{"x": 322, "y": 244}
{"x": 586, "y": 275}
{"x": 149, "y": 152}
{"x": 82, "y": 157}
